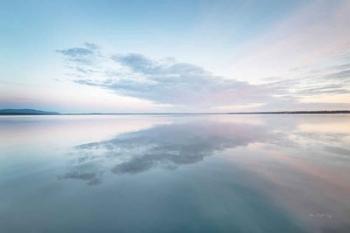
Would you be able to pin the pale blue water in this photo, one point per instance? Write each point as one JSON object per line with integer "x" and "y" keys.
{"x": 208, "y": 173}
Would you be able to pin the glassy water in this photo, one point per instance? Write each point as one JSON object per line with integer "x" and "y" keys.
{"x": 207, "y": 173}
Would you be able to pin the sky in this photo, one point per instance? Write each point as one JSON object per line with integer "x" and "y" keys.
{"x": 175, "y": 56}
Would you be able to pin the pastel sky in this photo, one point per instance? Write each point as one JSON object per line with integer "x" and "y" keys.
{"x": 175, "y": 56}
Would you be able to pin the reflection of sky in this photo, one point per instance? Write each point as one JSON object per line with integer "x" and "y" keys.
{"x": 162, "y": 146}
{"x": 164, "y": 173}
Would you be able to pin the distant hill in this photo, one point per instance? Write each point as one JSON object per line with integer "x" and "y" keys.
{"x": 25, "y": 112}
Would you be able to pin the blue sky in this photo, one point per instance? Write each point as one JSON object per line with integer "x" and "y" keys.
{"x": 122, "y": 56}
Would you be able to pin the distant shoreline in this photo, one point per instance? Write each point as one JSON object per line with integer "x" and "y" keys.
{"x": 26, "y": 111}
{"x": 297, "y": 112}
{"x": 33, "y": 112}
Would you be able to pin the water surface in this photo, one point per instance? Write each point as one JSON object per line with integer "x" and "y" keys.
{"x": 199, "y": 173}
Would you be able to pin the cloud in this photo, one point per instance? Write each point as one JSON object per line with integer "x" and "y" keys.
{"x": 190, "y": 87}
{"x": 180, "y": 83}
{"x": 81, "y": 55}
{"x": 344, "y": 74}
{"x": 76, "y": 52}
{"x": 92, "y": 178}
{"x": 338, "y": 150}
{"x": 327, "y": 89}
{"x": 164, "y": 81}
{"x": 331, "y": 80}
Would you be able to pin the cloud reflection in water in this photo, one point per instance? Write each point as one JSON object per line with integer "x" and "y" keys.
{"x": 166, "y": 146}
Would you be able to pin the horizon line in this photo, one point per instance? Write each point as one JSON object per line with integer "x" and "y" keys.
{"x": 27, "y": 111}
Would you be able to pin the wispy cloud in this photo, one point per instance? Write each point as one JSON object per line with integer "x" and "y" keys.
{"x": 83, "y": 55}
{"x": 164, "y": 81}
{"x": 167, "y": 81}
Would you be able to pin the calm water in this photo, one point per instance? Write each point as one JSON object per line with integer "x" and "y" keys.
{"x": 273, "y": 173}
